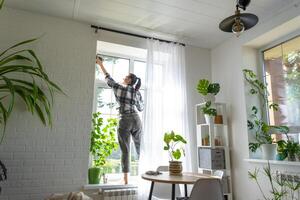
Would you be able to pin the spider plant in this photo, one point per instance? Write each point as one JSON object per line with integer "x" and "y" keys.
{"x": 34, "y": 87}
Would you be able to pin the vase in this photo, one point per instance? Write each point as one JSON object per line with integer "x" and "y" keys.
{"x": 269, "y": 151}
{"x": 175, "y": 168}
{"x": 94, "y": 175}
{"x": 209, "y": 119}
{"x": 218, "y": 119}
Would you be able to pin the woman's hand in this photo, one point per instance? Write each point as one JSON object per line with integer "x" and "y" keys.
{"x": 99, "y": 61}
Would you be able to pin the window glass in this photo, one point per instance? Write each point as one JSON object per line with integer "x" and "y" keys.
{"x": 118, "y": 68}
{"x": 106, "y": 104}
{"x": 282, "y": 75}
{"x": 140, "y": 71}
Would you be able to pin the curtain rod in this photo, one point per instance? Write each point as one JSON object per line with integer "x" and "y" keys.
{"x": 134, "y": 35}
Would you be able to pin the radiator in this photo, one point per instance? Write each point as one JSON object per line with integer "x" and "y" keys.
{"x": 120, "y": 194}
{"x": 293, "y": 179}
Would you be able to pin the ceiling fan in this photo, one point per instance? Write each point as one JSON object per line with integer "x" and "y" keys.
{"x": 239, "y": 22}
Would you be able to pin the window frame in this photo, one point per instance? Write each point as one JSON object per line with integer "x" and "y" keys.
{"x": 100, "y": 83}
{"x": 280, "y": 41}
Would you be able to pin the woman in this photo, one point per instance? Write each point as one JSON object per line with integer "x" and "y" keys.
{"x": 130, "y": 102}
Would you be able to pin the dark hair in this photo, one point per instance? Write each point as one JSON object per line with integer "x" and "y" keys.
{"x": 135, "y": 81}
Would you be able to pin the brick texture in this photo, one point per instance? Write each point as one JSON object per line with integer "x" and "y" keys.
{"x": 41, "y": 160}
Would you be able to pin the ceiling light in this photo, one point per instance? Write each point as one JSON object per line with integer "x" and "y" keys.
{"x": 239, "y": 22}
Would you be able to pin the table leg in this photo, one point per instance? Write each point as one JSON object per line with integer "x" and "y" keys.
{"x": 173, "y": 191}
{"x": 151, "y": 190}
{"x": 185, "y": 190}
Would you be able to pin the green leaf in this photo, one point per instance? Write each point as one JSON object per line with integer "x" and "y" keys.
{"x": 40, "y": 113}
{"x": 281, "y": 129}
{"x": 25, "y": 63}
{"x": 253, "y": 91}
{"x": 274, "y": 106}
{"x": 176, "y": 154}
{"x": 253, "y": 146}
{"x": 254, "y": 109}
{"x": 1, "y": 4}
{"x": 103, "y": 140}
{"x": 202, "y": 86}
{"x": 18, "y": 44}
{"x": 173, "y": 144}
{"x": 213, "y": 88}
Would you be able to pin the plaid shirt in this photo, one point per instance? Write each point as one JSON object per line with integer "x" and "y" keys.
{"x": 126, "y": 96}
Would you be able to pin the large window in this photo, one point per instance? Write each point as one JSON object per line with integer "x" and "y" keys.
{"x": 282, "y": 75}
{"x": 118, "y": 66}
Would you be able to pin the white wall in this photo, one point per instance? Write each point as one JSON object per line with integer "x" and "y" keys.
{"x": 197, "y": 67}
{"x": 42, "y": 161}
{"x": 228, "y": 60}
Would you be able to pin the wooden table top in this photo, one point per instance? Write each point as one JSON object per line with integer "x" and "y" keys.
{"x": 186, "y": 178}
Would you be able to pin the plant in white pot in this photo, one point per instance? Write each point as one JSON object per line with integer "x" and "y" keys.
{"x": 174, "y": 145}
{"x": 209, "y": 112}
{"x": 208, "y": 90}
{"x": 263, "y": 135}
{"x": 257, "y": 120}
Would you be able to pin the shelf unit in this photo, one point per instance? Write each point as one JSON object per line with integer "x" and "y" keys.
{"x": 213, "y": 149}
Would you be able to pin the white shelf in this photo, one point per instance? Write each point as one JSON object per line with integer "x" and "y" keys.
{"x": 273, "y": 162}
{"x": 210, "y": 135}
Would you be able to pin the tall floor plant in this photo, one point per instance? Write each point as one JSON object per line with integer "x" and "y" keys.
{"x": 35, "y": 88}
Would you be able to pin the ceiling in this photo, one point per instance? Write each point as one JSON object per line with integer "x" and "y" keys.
{"x": 194, "y": 22}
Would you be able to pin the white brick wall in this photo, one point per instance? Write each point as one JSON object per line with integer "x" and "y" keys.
{"x": 67, "y": 50}
{"x": 40, "y": 160}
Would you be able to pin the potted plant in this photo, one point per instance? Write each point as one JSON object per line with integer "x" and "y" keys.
{"x": 103, "y": 143}
{"x": 288, "y": 149}
{"x": 30, "y": 86}
{"x": 208, "y": 90}
{"x": 174, "y": 145}
{"x": 209, "y": 113}
{"x": 263, "y": 135}
{"x": 257, "y": 121}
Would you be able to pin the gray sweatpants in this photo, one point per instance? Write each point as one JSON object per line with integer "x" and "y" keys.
{"x": 129, "y": 125}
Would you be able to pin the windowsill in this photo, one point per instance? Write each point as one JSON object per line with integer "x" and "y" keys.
{"x": 114, "y": 183}
{"x": 273, "y": 162}
{"x": 108, "y": 186}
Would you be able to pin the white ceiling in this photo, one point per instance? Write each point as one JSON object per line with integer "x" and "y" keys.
{"x": 194, "y": 22}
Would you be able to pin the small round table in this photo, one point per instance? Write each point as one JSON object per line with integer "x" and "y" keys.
{"x": 186, "y": 178}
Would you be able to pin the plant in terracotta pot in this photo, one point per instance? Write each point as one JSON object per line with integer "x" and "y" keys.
{"x": 208, "y": 90}
{"x": 174, "y": 145}
{"x": 103, "y": 143}
{"x": 209, "y": 112}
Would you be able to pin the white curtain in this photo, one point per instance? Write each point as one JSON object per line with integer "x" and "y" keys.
{"x": 165, "y": 106}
